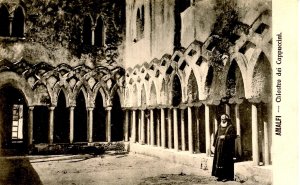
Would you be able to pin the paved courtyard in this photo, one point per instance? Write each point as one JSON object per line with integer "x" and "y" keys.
{"x": 106, "y": 169}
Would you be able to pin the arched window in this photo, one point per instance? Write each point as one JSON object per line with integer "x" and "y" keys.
{"x": 87, "y": 32}
{"x": 99, "y": 33}
{"x": 18, "y": 23}
{"x": 140, "y": 23}
{"x": 4, "y": 22}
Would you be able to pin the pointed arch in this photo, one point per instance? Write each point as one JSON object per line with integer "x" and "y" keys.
{"x": 61, "y": 119}
{"x": 209, "y": 78}
{"x": 153, "y": 95}
{"x": 99, "y": 119}
{"x": 176, "y": 91}
{"x": 262, "y": 79}
{"x": 234, "y": 82}
{"x": 80, "y": 118}
{"x": 192, "y": 88}
{"x": 163, "y": 93}
{"x": 143, "y": 96}
{"x": 4, "y": 21}
{"x": 116, "y": 119}
{"x": 18, "y": 23}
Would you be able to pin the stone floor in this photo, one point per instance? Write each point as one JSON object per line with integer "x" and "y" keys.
{"x": 110, "y": 168}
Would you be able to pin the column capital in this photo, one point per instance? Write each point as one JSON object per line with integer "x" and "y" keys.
{"x": 51, "y": 108}
{"x": 90, "y": 108}
{"x": 31, "y": 108}
{"x": 72, "y": 108}
{"x": 108, "y": 108}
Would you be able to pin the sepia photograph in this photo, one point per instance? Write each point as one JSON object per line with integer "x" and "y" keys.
{"x": 144, "y": 92}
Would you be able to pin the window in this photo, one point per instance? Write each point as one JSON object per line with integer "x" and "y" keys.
{"x": 87, "y": 31}
{"x": 99, "y": 33}
{"x": 17, "y": 123}
{"x": 18, "y": 23}
{"x": 4, "y": 22}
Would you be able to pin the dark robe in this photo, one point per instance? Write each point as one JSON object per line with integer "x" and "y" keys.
{"x": 223, "y": 164}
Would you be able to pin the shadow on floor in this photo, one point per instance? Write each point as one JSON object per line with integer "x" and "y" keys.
{"x": 18, "y": 171}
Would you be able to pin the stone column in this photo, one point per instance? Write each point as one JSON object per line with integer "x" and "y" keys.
{"x": 157, "y": 129}
{"x": 190, "y": 130}
{"x": 93, "y": 35}
{"x": 51, "y": 125}
{"x": 255, "y": 150}
{"x": 197, "y": 131}
{"x": 207, "y": 130}
{"x": 143, "y": 126}
{"x": 148, "y": 129}
{"x": 133, "y": 129}
{"x": 71, "y": 137}
{"x": 139, "y": 127}
{"x": 10, "y": 18}
{"x": 90, "y": 124}
{"x": 152, "y": 127}
{"x": 175, "y": 122}
{"x": 126, "y": 125}
{"x": 169, "y": 129}
{"x": 182, "y": 130}
{"x": 266, "y": 143}
{"x": 238, "y": 127}
{"x": 163, "y": 128}
{"x": 227, "y": 109}
{"x": 215, "y": 120}
{"x": 108, "y": 124}
{"x": 30, "y": 125}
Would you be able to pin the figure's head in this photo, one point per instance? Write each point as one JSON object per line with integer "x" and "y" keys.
{"x": 224, "y": 120}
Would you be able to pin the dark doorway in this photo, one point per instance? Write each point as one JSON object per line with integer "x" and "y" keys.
{"x": 40, "y": 124}
{"x": 61, "y": 121}
{"x": 80, "y": 119}
{"x": 99, "y": 125}
{"x": 13, "y": 119}
{"x": 117, "y": 120}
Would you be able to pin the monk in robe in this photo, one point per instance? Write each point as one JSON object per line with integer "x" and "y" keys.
{"x": 223, "y": 164}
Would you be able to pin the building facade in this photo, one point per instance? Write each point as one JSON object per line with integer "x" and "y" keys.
{"x": 157, "y": 73}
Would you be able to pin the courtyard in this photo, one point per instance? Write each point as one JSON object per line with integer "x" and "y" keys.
{"x": 109, "y": 168}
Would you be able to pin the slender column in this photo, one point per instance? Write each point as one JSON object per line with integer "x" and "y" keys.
{"x": 30, "y": 125}
{"x": 71, "y": 137}
{"x": 163, "y": 128}
{"x": 133, "y": 129}
{"x": 148, "y": 128}
{"x": 215, "y": 120}
{"x": 93, "y": 35}
{"x": 255, "y": 151}
{"x": 182, "y": 130}
{"x": 169, "y": 129}
{"x": 126, "y": 124}
{"x": 139, "y": 127}
{"x": 143, "y": 126}
{"x": 108, "y": 124}
{"x": 51, "y": 125}
{"x": 197, "y": 138}
{"x": 152, "y": 127}
{"x": 157, "y": 129}
{"x": 238, "y": 127}
{"x": 190, "y": 130}
{"x": 227, "y": 109}
{"x": 175, "y": 122}
{"x": 11, "y": 18}
{"x": 207, "y": 130}
{"x": 90, "y": 124}
{"x": 266, "y": 143}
